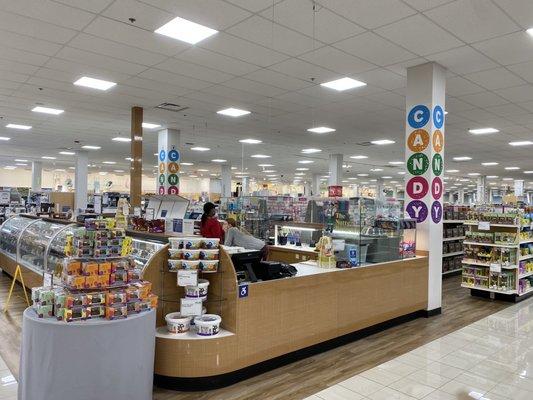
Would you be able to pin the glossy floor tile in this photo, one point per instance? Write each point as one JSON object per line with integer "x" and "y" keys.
{"x": 490, "y": 359}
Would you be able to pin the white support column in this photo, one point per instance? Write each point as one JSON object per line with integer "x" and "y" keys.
{"x": 518, "y": 188}
{"x": 481, "y": 190}
{"x": 80, "y": 181}
{"x": 380, "y": 195}
{"x": 169, "y": 158}
{"x": 315, "y": 189}
{"x": 424, "y": 136}
{"x": 245, "y": 186}
{"x": 461, "y": 197}
{"x": 395, "y": 192}
{"x": 36, "y": 176}
{"x": 335, "y": 169}
{"x": 225, "y": 177}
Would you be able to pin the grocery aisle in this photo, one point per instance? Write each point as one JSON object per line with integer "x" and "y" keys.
{"x": 488, "y": 359}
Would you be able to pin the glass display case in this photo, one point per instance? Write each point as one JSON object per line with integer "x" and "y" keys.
{"x": 10, "y": 232}
{"x": 143, "y": 251}
{"x": 56, "y": 250}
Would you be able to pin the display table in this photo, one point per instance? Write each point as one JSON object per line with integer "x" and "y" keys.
{"x": 90, "y": 360}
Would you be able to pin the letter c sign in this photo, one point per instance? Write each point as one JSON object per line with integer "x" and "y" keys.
{"x": 418, "y": 116}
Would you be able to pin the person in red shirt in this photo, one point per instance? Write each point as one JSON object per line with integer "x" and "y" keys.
{"x": 209, "y": 226}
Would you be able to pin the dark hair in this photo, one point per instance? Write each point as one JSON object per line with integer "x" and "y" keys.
{"x": 207, "y": 209}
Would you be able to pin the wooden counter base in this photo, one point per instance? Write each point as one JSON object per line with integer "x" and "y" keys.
{"x": 286, "y": 319}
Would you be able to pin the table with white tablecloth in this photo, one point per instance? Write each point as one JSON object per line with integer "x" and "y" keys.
{"x": 87, "y": 360}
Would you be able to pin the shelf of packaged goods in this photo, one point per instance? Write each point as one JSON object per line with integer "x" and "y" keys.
{"x": 525, "y": 275}
{"x": 526, "y": 241}
{"x": 452, "y": 271}
{"x": 453, "y": 238}
{"x": 485, "y": 289}
{"x": 526, "y": 257}
{"x": 453, "y": 221}
{"x": 495, "y": 225}
{"x": 481, "y": 264}
{"x": 457, "y": 253}
{"x": 526, "y": 292}
{"x": 510, "y": 246}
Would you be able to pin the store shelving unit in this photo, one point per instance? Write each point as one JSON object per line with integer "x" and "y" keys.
{"x": 498, "y": 260}
{"x": 453, "y": 233}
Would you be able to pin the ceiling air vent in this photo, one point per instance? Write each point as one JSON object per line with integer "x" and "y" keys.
{"x": 171, "y": 107}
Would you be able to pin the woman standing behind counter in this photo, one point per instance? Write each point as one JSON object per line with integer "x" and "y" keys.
{"x": 209, "y": 225}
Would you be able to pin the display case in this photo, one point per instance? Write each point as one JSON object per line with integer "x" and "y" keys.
{"x": 10, "y": 232}
{"x": 144, "y": 251}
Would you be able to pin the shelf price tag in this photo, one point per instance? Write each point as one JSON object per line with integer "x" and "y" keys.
{"x": 187, "y": 277}
{"x": 483, "y": 226}
{"x": 496, "y": 267}
{"x": 191, "y": 307}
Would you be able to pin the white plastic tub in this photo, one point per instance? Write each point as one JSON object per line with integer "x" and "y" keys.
{"x": 204, "y": 310}
{"x": 209, "y": 254}
{"x": 192, "y": 243}
{"x": 209, "y": 265}
{"x": 175, "y": 243}
{"x": 199, "y": 291}
{"x": 191, "y": 254}
{"x": 174, "y": 254}
{"x": 211, "y": 244}
{"x": 190, "y": 264}
{"x": 177, "y": 324}
{"x": 174, "y": 265}
{"x": 208, "y": 324}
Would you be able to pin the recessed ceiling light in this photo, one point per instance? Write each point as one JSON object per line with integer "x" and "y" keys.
{"x": 46, "y": 110}
{"x": 311, "y": 151}
{"x": 199, "y": 148}
{"x": 20, "y": 160}
{"x": 359, "y": 157}
{"x": 299, "y": 173}
{"x": 362, "y": 174}
{"x": 305, "y": 162}
{"x": 386, "y": 177}
{"x": 21, "y": 164}
{"x": 265, "y": 165}
{"x": 102, "y": 173}
{"x": 521, "y": 143}
{"x": 268, "y": 171}
{"x": 118, "y": 170}
{"x": 48, "y": 158}
{"x": 250, "y": 141}
{"x": 481, "y": 131}
{"x": 395, "y": 162}
{"x": 488, "y": 164}
{"x": 452, "y": 170}
{"x": 259, "y": 156}
{"x": 376, "y": 169}
{"x": 401, "y": 172}
{"x": 90, "y": 147}
{"x": 530, "y": 31}
{"x": 128, "y": 159}
{"x": 94, "y": 83}
{"x": 67, "y": 153}
{"x": 5, "y": 138}
{"x": 109, "y": 162}
{"x": 187, "y": 163}
{"x": 60, "y": 169}
{"x": 512, "y": 168}
{"x": 507, "y": 179}
{"x": 233, "y": 112}
{"x": 302, "y": 169}
{"x": 219, "y": 160}
{"x": 462, "y": 158}
{"x": 10, "y": 167}
{"x": 492, "y": 176}
{"x": 373, "y": 180}
{"x": 121, "y": 139}
{"x": 321, "y": 129}
{"x": 382, "y": 141}
{"x": 343, "y": 84}
{"x": 473, "y": 173}
{"x": 271, "y": 176}
{"x": 352, "y": 178}
{"x": 17, "y": 126}
{"x": 202, "y": 170}
{"x": 185, "y": 30}
{"x": 149, "y": 125}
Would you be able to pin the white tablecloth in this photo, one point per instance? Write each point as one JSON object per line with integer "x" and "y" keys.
{"x": 92, "y": 360}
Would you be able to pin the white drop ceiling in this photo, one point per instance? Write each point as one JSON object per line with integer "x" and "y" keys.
{"x": 271, "y": 61}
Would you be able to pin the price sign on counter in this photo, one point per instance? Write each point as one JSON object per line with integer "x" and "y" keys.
{"x": 483, "y": 226}
{"x": 496, "y": 267}
{"x": 187, "y": 277}
{"x": 191, "y": 307}
{"x": 47, "y": 279}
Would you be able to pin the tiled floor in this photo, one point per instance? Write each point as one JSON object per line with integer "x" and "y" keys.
{"x": 8, "y": 384}
{"x": 489, "y": 359}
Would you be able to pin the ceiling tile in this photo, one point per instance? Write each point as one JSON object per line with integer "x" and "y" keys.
{"x": 221, "y": 62}
{"x": 517, "y": 94}
{"x": 254, "y": 87}
{"x": 463, "y": 60}
{"x": 215, "y": 14}
{"x": 401, "y": 68}
{"x": 336, "y": 60}
{"x": 150, "y": 84}
{"x": 497, "y": 78}
{"x": 369, "y": 13}
{"x": 244, "y": 50}
{"x": 472, "y": 20}
{"x": 22, "y": 56}
{"x": 34, "y": 28}
{"x": 253, "y": 5}
{"x": 423, "y": 5}
{"x": 277, "y": 37}
{"x": 94, "y": 6}
{"x": 298, "y": 15}
{"x": 70, "y": 71}
{"x": 304, "y": 70}
{"x": 383, "y": 78}
{"x": 509, "y": 49}
{"x": 277, "y": 79}
{"x": 147, "y": 17}
{"x": 458, "y": 86}
{"x": 176, "y": 79}
{"x": 484, "y": 99}
{"x": 524, "y": 70}
{"x": 375, "y": 49}
{"x": 20, "y": 67}
{"x": 49, "y": 11}
{"x": 27, "y": 43}
{"x": 507, "y": 110}
{"x": 419, "y": 35}
{"x": 194, "y": 70}
{"x": 520, "y": 10}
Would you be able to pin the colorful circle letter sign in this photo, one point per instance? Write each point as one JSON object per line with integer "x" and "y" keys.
{"x": 417, "y": 210}
{"x": 173, "y": 167}
{"x": 417, "y": 187}
{"x": 173, "y": 190}
{"x": 173, "y": 179}
{"x": 418, "y": 116}
{"x": 437, "y": 164}
{"x": 161, "y": 190}
{"x": 418, "y": 140}
{"x": 162, "y": 179}
{"x": 438, "y": 117}
{"x": 436, "y": 188}
{"x": 418, "y": 164}
{"x": 162, "y": 155}
{"x": 162, "y": 168}
{"x": 436, "y": 211}
{"x": 173, "y": 155}
{"x": 438, "y": 141}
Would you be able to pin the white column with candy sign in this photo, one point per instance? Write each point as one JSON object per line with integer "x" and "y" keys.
{"x": 424, "y": 155}
{"x": 169, "y": 158}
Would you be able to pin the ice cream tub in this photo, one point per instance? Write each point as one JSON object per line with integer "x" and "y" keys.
{"x": 174, "y": 265}
{"x": 174, "y": 254}
{"x": 211, "y": 244}
{"x": 193, "y": 243}
{"x": 204, "y": 310}
{"x": 191, "y": 254}
{"x": 209, "y": 265}
{"x": 176, "y": 323}
{"x": 208, "y": 324}
{"x": 175, "y": 243}
{"x": 199, "y": 291}
{"x": 190, "y": 264}
{"x": 208, "y": 254}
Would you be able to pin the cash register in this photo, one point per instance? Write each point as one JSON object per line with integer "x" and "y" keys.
{"x": 250, "y": 267}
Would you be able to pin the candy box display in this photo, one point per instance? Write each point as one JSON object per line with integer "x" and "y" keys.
{"x": 44, "y": 311}
{"x": 133, "y": 307}
{"x": 89, "y": 268}
{"x": 95, "y": 312}
{"x": 74, "y": 281}
{"x": 74, "y": 300}
{"x": 116, "y": 297}
{"x": 74, "y": 314}
{"x": 71, "y": 267}
{"x": 116, "y": 312}
{"x": 94, "y": 299}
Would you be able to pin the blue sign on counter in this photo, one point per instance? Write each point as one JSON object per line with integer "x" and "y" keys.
{"x": 243, "y": 291}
